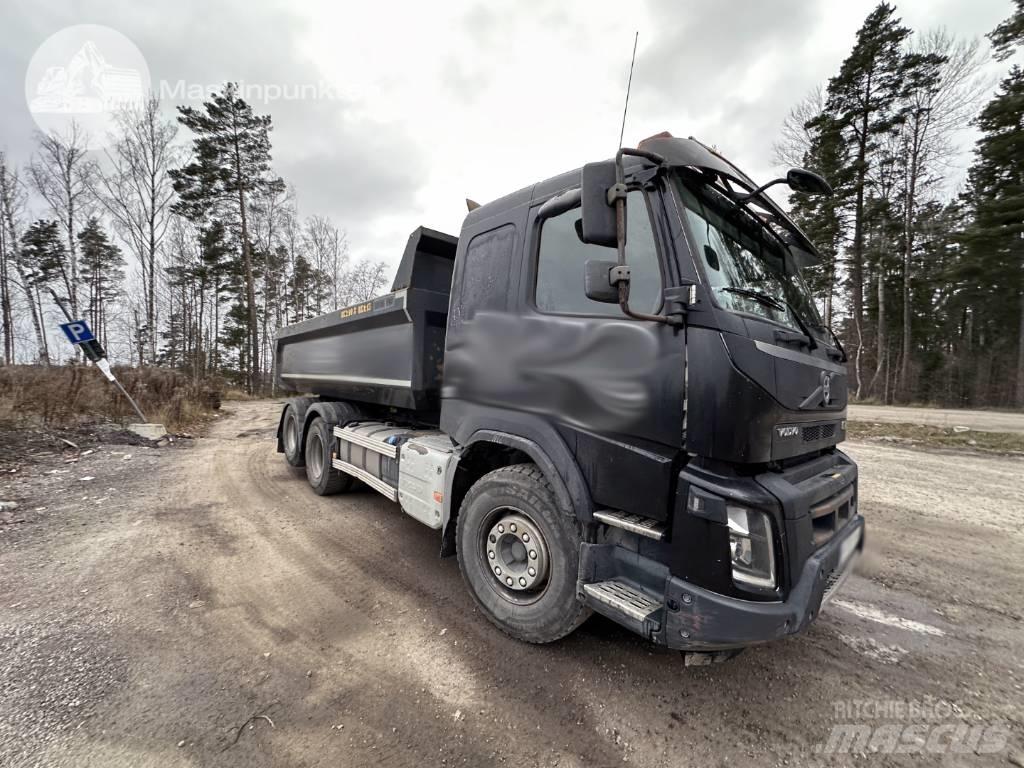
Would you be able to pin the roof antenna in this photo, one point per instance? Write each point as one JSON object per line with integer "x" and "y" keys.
{"x": 629, "y": 84}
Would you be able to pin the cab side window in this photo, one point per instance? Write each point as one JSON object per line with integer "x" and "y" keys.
{"x": 562, "y": 257}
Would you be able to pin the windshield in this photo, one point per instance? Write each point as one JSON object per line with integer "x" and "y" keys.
{"x": 747, "y": 269}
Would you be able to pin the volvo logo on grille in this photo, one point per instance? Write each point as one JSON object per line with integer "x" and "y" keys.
{"x": 826, "y": 388}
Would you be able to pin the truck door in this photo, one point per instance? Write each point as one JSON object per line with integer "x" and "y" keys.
{"x": 614, "y": 386}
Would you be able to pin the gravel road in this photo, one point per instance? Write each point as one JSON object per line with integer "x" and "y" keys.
{"x": 200, "y": 606}
{"x": 983, "y": 421}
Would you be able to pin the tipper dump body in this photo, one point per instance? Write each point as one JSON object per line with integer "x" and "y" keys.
{"x": 388, "y": 351}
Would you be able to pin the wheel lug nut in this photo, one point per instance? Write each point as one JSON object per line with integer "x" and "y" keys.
{"x": 490, "y": 554}
{"x": 522, "y": 582}
{"x": 501, "y": 529}
{"x": 497, "y": 571}
{"x": 492, "y": 538}
{"x": 533, "y": 554}
{"x": 509, "y": 581}
{"x": 512, "y": 527}
{"x": 526, "y": 537}
{"x": 532, "y": 571}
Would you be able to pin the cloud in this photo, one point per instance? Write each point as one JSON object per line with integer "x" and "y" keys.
{"x": 437, "y": 102}
{"x": 343, "y": 162}
{"x": 728, "y": 77}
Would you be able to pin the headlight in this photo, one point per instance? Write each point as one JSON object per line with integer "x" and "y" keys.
{"x": 751, "y": 547}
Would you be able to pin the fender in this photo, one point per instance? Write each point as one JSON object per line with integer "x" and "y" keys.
{"x": 337, "y": 413}
{"x": 300, "y": 404}
{"x": 572, "y": 496}
{"x": 308, "y": 409}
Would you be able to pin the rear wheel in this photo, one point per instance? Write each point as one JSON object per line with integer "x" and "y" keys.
{"x": 291, "y": 437}
{"x": 519, "y": 555}
{"x": 323, "y": 478}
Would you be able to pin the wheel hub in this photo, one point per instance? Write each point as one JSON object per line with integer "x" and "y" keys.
{"x": 516, "y": 552}
{"x": 316, "y": 457}
{"x": 290, "y": 437}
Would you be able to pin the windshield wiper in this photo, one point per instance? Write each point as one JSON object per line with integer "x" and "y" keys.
{"x": 838, "y": 344}
{"x": 750, "y": 293}
{"x": 776, "y": 303}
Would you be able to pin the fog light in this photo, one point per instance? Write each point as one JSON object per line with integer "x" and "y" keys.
{"x": 751, "y": 547}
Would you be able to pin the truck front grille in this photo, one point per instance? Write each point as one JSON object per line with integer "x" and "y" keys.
{"x": 829, "y": 516}
{"x": 818, "y": 432}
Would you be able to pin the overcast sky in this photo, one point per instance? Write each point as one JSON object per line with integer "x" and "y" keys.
{"x": 437, "y": 102}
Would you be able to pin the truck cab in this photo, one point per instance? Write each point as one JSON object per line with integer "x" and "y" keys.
{"x": 636, "y": 411}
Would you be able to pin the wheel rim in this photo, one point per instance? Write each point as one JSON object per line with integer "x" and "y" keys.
{"x": 516, "y": 554}
{"x": 315, "y": 455}
{"x": 290, "y": 438}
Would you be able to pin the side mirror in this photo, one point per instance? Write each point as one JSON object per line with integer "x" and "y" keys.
{"x": 808, "y": 182}
{"x": 598, "y": 226}
{"x": 597, "y": 281}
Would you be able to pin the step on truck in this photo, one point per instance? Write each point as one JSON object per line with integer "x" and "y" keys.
{"x": 612, "y": 392}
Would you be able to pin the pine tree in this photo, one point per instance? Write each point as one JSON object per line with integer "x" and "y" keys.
{"x": 304, "y": 287}
{"x": 862, "y": 105}
{"x": 1008, "y": 35}
{"x": 101, "y": 268}
{"x": 217, "y": 274}
{"x": 995, "y": 238}
{"x": 231, "y": 164}
{"x": 44, "y": 265}
{"x": 45, "y": 256}
{"x": 822, "y": 217}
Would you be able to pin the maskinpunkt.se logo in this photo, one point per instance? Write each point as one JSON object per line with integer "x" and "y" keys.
{"x": 85, "y": 74}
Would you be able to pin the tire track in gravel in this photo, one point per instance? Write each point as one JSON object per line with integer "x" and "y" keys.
{"x": 352, "y": 591}
{"x": 355, "y": 557}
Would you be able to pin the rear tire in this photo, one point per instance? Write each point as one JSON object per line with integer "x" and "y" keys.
{"x": 519, "y": 555}
{"x": 291, "y": 437}
{"x": 323, "y": 478}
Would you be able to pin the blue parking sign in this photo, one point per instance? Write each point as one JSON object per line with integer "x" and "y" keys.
{"x": 77, "y": 331}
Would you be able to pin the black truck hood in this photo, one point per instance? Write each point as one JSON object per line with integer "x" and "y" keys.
{"x": 752, "y": 402}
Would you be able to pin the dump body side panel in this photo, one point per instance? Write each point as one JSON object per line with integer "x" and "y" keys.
{"x": 388, "y": 351}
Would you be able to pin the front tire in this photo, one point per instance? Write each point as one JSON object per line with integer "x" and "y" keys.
{"x": 323, "y": 478}
{"x": 519, "y": 555}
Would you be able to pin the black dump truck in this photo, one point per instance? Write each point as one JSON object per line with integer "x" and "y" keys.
{"x": 612, "y": 392}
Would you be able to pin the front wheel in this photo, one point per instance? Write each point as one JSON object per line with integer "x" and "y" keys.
{"x": 323, "y": 477}
{"x": 519, "y": 555}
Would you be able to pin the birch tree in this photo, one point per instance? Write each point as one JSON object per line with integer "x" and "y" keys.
{"x": 62, "y": 173}
{"x": 136, "y": 190}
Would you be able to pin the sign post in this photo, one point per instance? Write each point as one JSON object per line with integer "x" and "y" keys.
{"x": 79, "y": 334}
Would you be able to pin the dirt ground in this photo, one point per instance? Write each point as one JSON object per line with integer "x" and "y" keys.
{"x": 982, "y": 421}
{"x": 194, "y": 606}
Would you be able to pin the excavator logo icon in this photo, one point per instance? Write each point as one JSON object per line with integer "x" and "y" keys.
{"x": 81, "y": 77}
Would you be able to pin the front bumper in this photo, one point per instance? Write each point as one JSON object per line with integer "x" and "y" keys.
{"x": 697, "y": 619}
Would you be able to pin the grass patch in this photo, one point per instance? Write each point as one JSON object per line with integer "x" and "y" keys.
{"x": 76, "y": 395}
{"x": 924, "y": 436}
{"x": 235, "y": 393}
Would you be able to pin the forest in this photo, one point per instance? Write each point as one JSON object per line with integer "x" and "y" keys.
{"x": 184, "y": 249}
{"x": 923, "y": 278}
{"x": 220, "y": 255}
